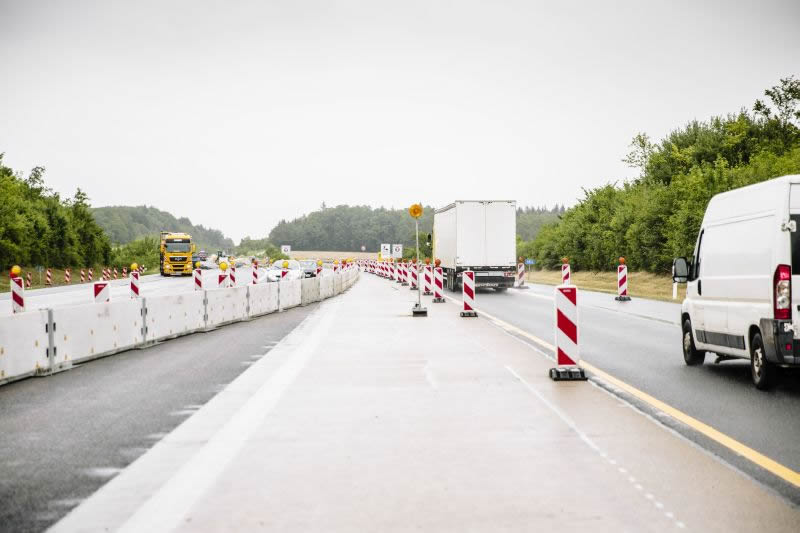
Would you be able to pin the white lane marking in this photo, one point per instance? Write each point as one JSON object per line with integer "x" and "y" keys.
{"x": 574, "y": 427}
{"x": 166, "y": 509}
{"x": 103, "y": 472}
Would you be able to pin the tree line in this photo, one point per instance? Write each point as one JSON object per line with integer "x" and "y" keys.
{"x": 657, "y": 216}
{"x": 39, "y": 227}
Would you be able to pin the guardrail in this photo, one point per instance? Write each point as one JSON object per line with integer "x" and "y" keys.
{"x": 45, "y": 341}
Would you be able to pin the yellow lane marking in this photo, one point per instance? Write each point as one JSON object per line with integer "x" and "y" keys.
{"x": 770, "y": 465}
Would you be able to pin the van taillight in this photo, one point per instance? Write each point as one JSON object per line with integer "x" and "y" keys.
{"x": 783, "y": 292}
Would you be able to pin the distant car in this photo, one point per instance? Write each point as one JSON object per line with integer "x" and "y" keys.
{"x": 295, "y": 271}
{"x": 309, "y": 267}
{"x": 195, "y": 259}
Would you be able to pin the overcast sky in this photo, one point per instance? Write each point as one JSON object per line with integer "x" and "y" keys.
{"x": 239, "y": 114}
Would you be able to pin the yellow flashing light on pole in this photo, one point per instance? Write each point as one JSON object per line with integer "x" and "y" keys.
{"x": 319, "y": 262}
{"x": 197, "y": 264}
{"x": 223, "y": 266}
{"x": 415, "y": 210}
{"x": 16, "y": 271}
{"x": 285, "y": 264}
{"x": 134, "y": 266}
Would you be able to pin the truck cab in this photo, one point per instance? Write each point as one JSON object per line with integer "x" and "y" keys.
{"x": 176, "y": 254}
{"x": 742, "y": 278}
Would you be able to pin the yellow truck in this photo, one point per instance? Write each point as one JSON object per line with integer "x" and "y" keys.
{"x": 176, "y": 254}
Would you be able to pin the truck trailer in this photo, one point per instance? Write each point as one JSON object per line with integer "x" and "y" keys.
{"x": 477, "y": 235}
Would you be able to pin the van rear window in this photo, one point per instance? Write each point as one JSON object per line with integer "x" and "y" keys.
{"x": 795, "y": 236}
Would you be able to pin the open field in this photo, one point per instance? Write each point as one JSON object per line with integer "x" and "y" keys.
{"x": 640, "y": 284}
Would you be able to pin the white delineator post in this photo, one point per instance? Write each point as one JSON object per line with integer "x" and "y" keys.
{"x": 134, "y": 285}
{"x": 197, "y": 276}
{"x": 565, "y": 277}
{"x": 17, "y": 294}
{"x": 566, "y": 335}
{"x": 468, "y": 293}
{"x": 427, "y": 278}
{"x": 622, "y": 283}
{"x": 102, "y": 292}
{"x": 438, "y": 285}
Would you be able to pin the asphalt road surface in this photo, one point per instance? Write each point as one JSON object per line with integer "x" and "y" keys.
{"x": 64, "y": 436}
{"x": 639, "y": 342}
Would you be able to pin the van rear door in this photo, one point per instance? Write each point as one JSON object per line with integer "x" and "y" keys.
{"x": 794, "y": 214}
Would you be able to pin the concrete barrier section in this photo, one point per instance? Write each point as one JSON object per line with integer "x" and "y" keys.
{"x": 226, "y": 305}
{"x": 290, "y": 293}
{"x": 23, "y": 344}
{"x": 85, "y": 332}
{"x": 337, "y": 283}
{"x": 173, "y": 315}
{"x": 325, "y": 287}
{"x": 309, "y": 292}
{"x": 263, "y": 298}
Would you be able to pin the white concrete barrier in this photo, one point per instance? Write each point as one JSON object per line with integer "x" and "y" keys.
{"x": 325, "y": 287}
{"x": 226, "y": 305}
{"x": 290, "y": 294}
{"x": 309, "y": 292}
{"x": 23, "y": 344}
{"x": 49, "y": 340}
{"x": 89, "y": 331}
{"x": 337, "y": 283}
{"x": 174, "y": 315}
{"x": 263, "y": 298}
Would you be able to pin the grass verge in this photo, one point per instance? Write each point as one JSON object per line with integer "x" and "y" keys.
{"x": 640, "y": 284}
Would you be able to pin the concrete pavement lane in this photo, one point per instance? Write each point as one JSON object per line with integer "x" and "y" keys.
{"x": 371, "y": 420}
{"x": 64, "y": 436}
{"x": 639, "y": 343}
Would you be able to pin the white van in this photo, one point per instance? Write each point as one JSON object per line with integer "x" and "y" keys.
{"x": 739, "y": 280}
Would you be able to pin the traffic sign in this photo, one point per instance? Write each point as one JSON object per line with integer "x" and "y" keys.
{"x": 530, "y": 261}
{"x": 286, "y": 249}
{"x": 386, "y": 250}
{"x": 397, "y": 251}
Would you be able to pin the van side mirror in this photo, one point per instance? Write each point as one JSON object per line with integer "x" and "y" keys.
{"x": 680, "y": 270}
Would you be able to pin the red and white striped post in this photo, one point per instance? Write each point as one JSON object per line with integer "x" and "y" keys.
{"x": 91, "y": 274}
{"x": 222, "y": 281}
{"x": 468, "y": 293}
{"x": 134, "y": 285}
{"x": 83, "y": 275}
{"x": 427, "y": 280}
{"x": 319, "y": 268}
{"x": 255, "y": 272}
{"x": 197, "y": 276}
{"x": 622, "y": 281}
{"x": 115, "y": 273}
{"x": 565, "y": 273}
{"x": 28, "y": 281}
{"x": 102, "y": 292}
{"x": 438, "y": 285}
{"x": 413, "y": 273}
{"x": 566, "y": 335}
{"x": 17, "y": 291}
{"x": 48, "y": 278}
{"x": 124, "y": 272}
{"x": 233, "y": 275}
{"x": 521, "y": 275}
{"x": 67, "y": 275}
{"x": 392, "y": 271}
{"x": 106, "y": 274}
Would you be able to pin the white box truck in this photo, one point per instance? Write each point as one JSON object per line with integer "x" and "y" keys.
{"x": 477, "y": 235}
{"x": 742, "y": 279}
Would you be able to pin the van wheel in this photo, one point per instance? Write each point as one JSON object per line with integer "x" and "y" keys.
{"x": 762, "y": 370}
{"x": 691, "y": 355}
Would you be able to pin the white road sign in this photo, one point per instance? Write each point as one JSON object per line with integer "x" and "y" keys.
{"x": 397, "y": 251}
{"x": 386, "y": 250}
{"x": 285, "y": 249}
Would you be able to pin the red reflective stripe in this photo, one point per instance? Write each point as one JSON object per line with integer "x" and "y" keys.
{"x": 623, "y": 280}
{"x": 570, "y": 294}
{"x": 469, "y": 292}
{"x": 17, "y": 299}
{"x": 564, "y": 359}
{"x": 565, "y": 324}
